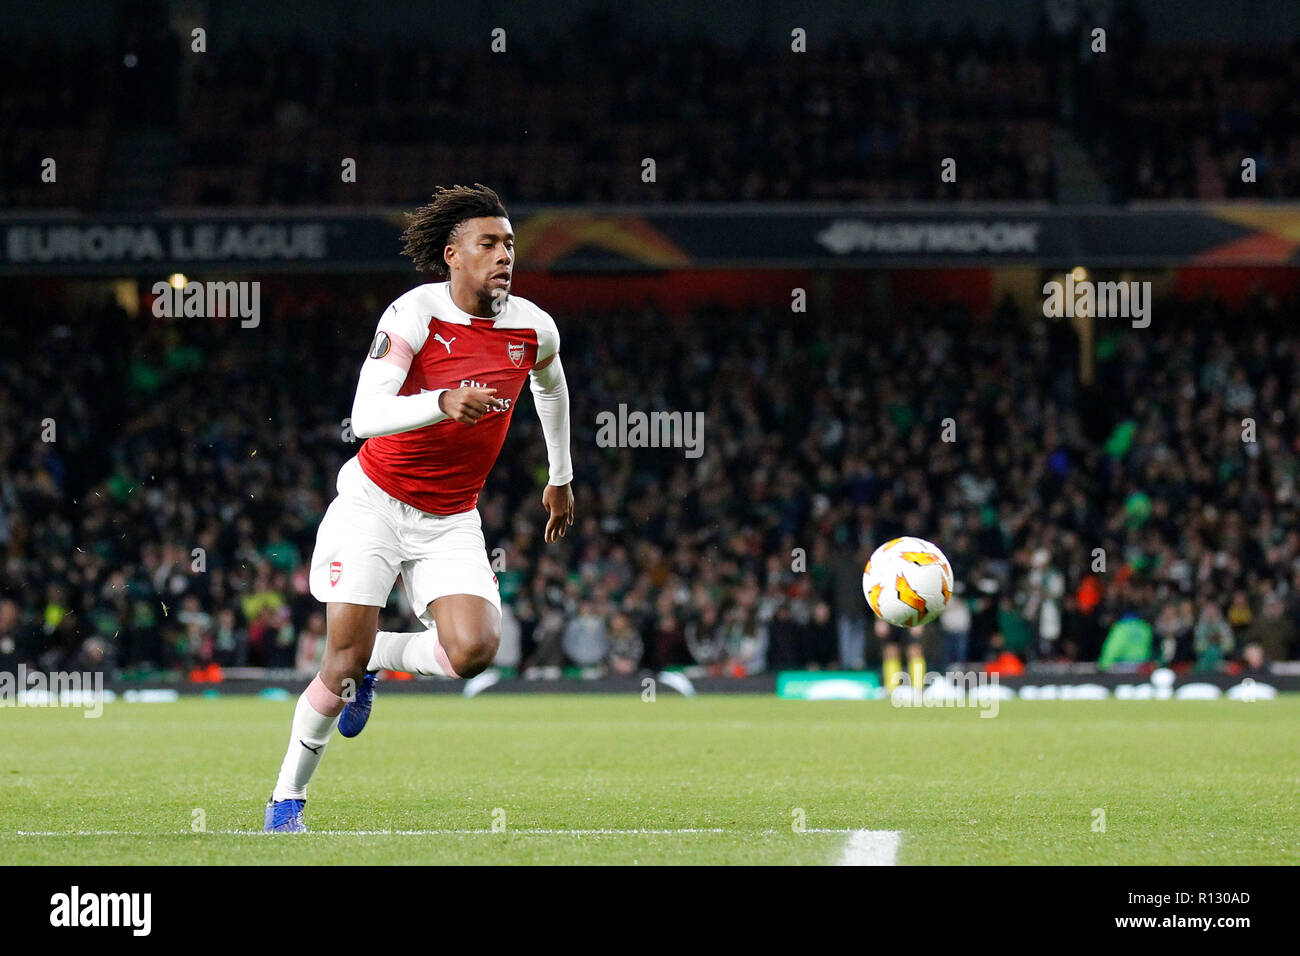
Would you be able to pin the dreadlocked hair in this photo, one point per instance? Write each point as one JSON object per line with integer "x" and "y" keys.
{"x": 430, "y": 228}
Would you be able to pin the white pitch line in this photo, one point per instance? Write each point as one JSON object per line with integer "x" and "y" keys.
{"x": 872, "y": 848}
{"x": 863, "y": 848}
{"x": 528, "y": 831}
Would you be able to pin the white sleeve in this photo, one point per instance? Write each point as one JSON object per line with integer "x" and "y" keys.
{"x": 551, "y": 396}
{"x": 548, "y": 336}
{"x": 377, "y": 409}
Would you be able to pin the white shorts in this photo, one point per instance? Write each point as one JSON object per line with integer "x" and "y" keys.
{"x": 368, "y": 537}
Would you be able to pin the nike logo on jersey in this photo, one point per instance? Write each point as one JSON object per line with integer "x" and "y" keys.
{"x": 438, "y": 338}
{"x": 315, "y": 750}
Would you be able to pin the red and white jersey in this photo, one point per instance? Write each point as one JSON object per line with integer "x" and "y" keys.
{"x": 441, "y": 468}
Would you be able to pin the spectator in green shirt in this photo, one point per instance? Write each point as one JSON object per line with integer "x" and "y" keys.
{"x": 1128, "y": 642}
{"x": 1212, "y": 639}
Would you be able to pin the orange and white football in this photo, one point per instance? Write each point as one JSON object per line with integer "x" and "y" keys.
{"x": 907, "y": 581}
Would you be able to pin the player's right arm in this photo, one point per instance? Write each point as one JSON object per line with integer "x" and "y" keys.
{"x": 377, "y": 409}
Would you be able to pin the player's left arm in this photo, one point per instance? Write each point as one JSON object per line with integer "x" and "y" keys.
{"x": 551, "y": 396}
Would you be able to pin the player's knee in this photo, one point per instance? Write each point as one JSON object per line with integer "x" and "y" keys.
{"x": 473, "y": 652}
{"x": 351, "y": 635}
{"x": 342, "y": 670}
{"x": 343, "y": 663}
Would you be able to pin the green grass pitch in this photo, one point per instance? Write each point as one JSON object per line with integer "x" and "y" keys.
{"x": 1180, "y": 782}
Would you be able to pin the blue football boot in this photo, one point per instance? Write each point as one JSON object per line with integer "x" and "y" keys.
{"x": 353, "y": 719}
{"x": 285, "y": 816}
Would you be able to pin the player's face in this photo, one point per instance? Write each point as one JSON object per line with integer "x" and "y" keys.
{"x": 484, "y": 256}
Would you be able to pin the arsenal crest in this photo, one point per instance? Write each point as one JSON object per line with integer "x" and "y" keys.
{"x": 336, "y": 572}
{"x": 516, "y": 352}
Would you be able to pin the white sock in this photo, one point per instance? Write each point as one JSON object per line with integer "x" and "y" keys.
{"x": 313, "y": 722}
{"x": 417, "y": 653}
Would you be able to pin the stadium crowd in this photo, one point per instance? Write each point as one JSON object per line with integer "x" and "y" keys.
{"x": 861, "y": 116}
{"x": 1178, "y": 124}
{"x": 161, "y": 483}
